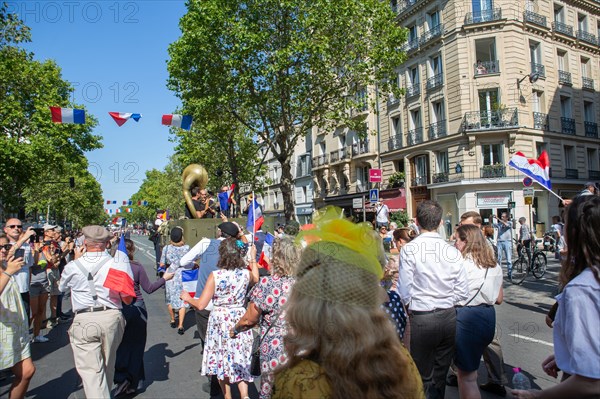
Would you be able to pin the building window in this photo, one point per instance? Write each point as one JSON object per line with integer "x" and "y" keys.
{"x": 563, "y": 60}
{"x": 485, "y": 52}
{"x": 592, "y": 160}
{"x": 323, "y": 147}
{"x": 569, "y": 157}
{"x": 559, "y": 14}
{"x": 443, "y": 165}
{"x": 537, "y": 101}
{"x": 413, "y": 33}
{"x": 540, "y": 147}
{"x": 589, "y": 113}
{"x": 342, "y": 141}
{"x": 433, "y": 20}
{"x": 482, "y": 10}
{"x": 565, "y": 107}
{"x": 535, "y": 54}
{"x": 362, "y": 178}
{"x": 304, "y": 165}
{"x": 492, "y": 154}
{"x": 488, "y": 100}
{"x": 586, "y": 71}
{"x": 396, "y": 126}
{"x": 415, "y": 119}
{"x": 582, "y": 23}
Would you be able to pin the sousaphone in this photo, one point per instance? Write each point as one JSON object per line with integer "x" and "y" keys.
{"x": 193, "y": 176}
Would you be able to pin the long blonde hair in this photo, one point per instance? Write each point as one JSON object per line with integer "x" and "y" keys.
{"x": 475, "y": 246}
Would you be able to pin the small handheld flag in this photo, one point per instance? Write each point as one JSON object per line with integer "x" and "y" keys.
{"x": 68, "y": 115}
{"x": 255, "y": 217}
{"x": 120, "y": 276}
{"x": 122, "y": 117}
{"x": 189, "y": 279}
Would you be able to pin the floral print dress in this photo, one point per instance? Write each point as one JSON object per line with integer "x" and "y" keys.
{"x": 172, "y": 254}
{"x": 269, "y": 295}
{"x": 14, "y": 330}
{"x": 224, "y": 356}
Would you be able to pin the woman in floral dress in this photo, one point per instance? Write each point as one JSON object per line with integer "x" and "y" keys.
{"x": 266, "y": 301}
{"x": 227, "y": 358}
{"x": 171, "y": 255}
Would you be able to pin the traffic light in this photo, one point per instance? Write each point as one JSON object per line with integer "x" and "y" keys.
{"x": 72, "y": 182}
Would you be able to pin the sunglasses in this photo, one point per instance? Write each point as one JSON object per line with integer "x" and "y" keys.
{"x": 6, "y": 247}
{"x": 14, "y": 226}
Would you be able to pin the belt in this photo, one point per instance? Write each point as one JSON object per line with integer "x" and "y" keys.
{"x": 422, "y": 312}
{"x": 94, "y": 309}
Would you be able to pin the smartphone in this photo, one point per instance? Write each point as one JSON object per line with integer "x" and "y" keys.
{"x": 20, "y": 253}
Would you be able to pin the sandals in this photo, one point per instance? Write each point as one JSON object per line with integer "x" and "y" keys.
{"x": 173, "y": 324}
{"x": 180, "y": 331}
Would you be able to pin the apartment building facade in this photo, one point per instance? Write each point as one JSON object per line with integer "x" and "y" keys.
{"x": 483, "y": 80}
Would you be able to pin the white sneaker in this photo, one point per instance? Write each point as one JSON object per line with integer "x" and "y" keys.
{"x": 40, "y": 339}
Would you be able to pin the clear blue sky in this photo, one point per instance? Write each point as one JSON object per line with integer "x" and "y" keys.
{"x": 115, "y": 52}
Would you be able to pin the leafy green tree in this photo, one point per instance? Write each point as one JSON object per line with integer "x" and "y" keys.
{"x": 280, "y": 67}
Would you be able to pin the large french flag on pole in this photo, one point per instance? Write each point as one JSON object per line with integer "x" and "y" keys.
{"x": 67, "y": 115}
{"x": 255, "y": 217}
{"x": 537, "y": 169}
{"x": 122, "y": 117}
{"x": 189, "y": 278}
{"x": 120, "y": 276}
{"x": 181, "y": 121}
{"x": 225, "y": 198}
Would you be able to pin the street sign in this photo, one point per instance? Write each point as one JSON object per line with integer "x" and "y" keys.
{"x": 527, "y": 182}
{"x": 528, "y": 192}
{"x": 374, "y": 195}
{"x": 357, "y": 202}
{"x": 528, "y": 200}
{"x": 374, "y": 175}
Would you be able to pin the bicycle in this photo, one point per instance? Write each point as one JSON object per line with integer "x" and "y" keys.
{"x": 522, "y": 266}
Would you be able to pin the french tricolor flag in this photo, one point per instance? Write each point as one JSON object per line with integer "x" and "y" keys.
{"x": 67, "y": 115}
{"x": 537, "y": 169}
{"x": 267, "y": 250}
{"x": 189, "y": 278}
{"x": 122, "y": 117}
{"x": 120, "y": 276}
{"x": 225, "y": 198}
{"x": 180, "y": 121}
{"x": 255, "y": 217}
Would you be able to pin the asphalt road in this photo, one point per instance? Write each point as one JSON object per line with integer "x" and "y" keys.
{"x": 173, "y": 361}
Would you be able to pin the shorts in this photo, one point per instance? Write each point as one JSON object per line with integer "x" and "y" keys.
{"x": 475, "y": 328}
{"x": 38, "y": 289}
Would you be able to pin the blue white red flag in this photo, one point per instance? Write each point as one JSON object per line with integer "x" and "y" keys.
{"x": 269, "y": 239}
{"x": 537, "y": 169}
{"x": 225, "y": 198}
{"x": 181, "y": 121}
{"x": 67, "y": 115}
{"x": 122, "y": 117}
{"x": 120, "y": 276}
{"x": 255, "y": 217}
{"x": 189, "y": 278}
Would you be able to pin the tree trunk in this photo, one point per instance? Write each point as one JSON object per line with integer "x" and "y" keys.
{"x": 287, "y": 189}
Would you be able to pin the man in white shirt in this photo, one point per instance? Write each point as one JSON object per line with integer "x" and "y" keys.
{"x": 432, "y": 281}
{"x": 382, "y": 215}
{"x": 98, "y": 324}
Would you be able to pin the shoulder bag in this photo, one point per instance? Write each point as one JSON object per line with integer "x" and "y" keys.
{"x": 255, "y": 357}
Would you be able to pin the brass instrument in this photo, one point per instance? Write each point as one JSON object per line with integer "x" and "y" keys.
{"x": 193, "y": 175}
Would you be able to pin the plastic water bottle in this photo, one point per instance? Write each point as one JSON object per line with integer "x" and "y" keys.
{"x": 520, "y": 380}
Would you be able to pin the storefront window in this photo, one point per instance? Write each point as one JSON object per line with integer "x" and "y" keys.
{"x": 450, "y": 216}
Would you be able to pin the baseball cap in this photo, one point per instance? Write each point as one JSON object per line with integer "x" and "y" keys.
{"x": 49, "y": 226}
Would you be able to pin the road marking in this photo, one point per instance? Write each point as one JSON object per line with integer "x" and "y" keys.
{"x": 539, "y": 341}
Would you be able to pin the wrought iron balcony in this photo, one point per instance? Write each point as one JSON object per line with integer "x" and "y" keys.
{"x": 413, "y": 90}
{"x": 539, "y": 69}
{"x": 437, "y": 130}
{"x": 435, "y": 81}
{"x": 483, "y": 16}
{"x": 587, "y": 37}
{"x": 540, "y": 121}
{"x": 530, "y": 16}
{"x": 432, "y": 33}
{"x": 418, "y": 181}
{"x": 442, "y": 177}
{"x": 591, "y": 129}
{"x": 564, "y": 77}
{"x": 404, "y": 5}
{"x": 486, "y": 67}
{"x": 571, "y": 173}
{"x": 415, "y": 136}
{"x": 362, "y": 147}
{"x": 334, "y": 156}
{"x": 411, "y": 45}
{"x": 492, "y": 171}
{"x": 567, "y": 125}
{"x": 587, "y": 83}
{"x": 594, "y": 175}
{"x": 392, "y": 101}
{"x": 487, "y": 120}
{"x": 322, "y": 160}
{"x": 563, "y": 28}
{"x": 395, "y": 142}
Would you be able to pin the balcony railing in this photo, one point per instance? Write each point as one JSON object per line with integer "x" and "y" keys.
{"x": 591, "y": 129}
{"x": 539, "y": 69}
{"x": 486, "y": 67}
{"x": 411, "y": 45}
{"x": 587, "y": 37}
{"x": 594, "y": 175}
{"x": 530, "y": 16}
{"x": 492, "y": 171}
{"x": 418, "y": 181}
{"x": 415, "y": 136}
{"x": 567, "y": 125}
{"x": 564, "y": 77}
{"x": 362, "y": 147}
{"x": 334, "y": 156}
{"x": 392, "y": 101}
{"x": 571, "y": 173}
{"x": 484, "y": 120}
{"x": 563, "y": 28}
{"x": 540, "y": 121}
{"x": 483, "y": 16}
{"x": 442, "y": 177}
{"x": 395, "y": 143}
{"x": 432, "y": 33}
{"x": 587, "y": 83}
{"x": 321, "y": 160}
{"x": 404, "y": 5}
{"x": 437, "y": 130}
{"x": 435, "y": 81}
{"x": 413, "y": 90}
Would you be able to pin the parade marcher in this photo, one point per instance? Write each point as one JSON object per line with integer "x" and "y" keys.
{"x": 98, "y": 325}
{"x": 476, "y": 317}
{"x": 265, "y": 306}
{"x": 198, "y": 206}
{"x": 207, "y": 205}
{"x": 171, "y": 256}
{"x": 339, "y": 341}
{"x": 432, "y": 281}
{"x": 129, "y": 366}
{"x": 504, "y": 241}
{"x": 155, "y": 231}
{"x": 226, "y": 357}
{"x": 577, "y": 322}
{"x": 15, "y": 353}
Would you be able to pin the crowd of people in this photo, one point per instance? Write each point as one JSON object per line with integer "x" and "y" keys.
{"x": 336, "y": 310}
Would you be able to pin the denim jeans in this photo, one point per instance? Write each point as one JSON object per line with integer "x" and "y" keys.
{"x": 505, "y": 249}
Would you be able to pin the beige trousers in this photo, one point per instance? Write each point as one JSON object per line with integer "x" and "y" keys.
{"x": 95, "y": 337}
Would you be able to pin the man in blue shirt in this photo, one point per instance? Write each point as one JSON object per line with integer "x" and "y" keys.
{"x": 504, "y": 241}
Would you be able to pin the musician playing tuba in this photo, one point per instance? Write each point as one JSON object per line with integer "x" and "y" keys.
{"x": 198, "y": 205}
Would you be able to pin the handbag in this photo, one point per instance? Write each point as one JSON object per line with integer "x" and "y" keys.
{"x": 255, "y": 356}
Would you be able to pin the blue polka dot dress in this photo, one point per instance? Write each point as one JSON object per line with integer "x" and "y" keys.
{"x": 396, "y": 313}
